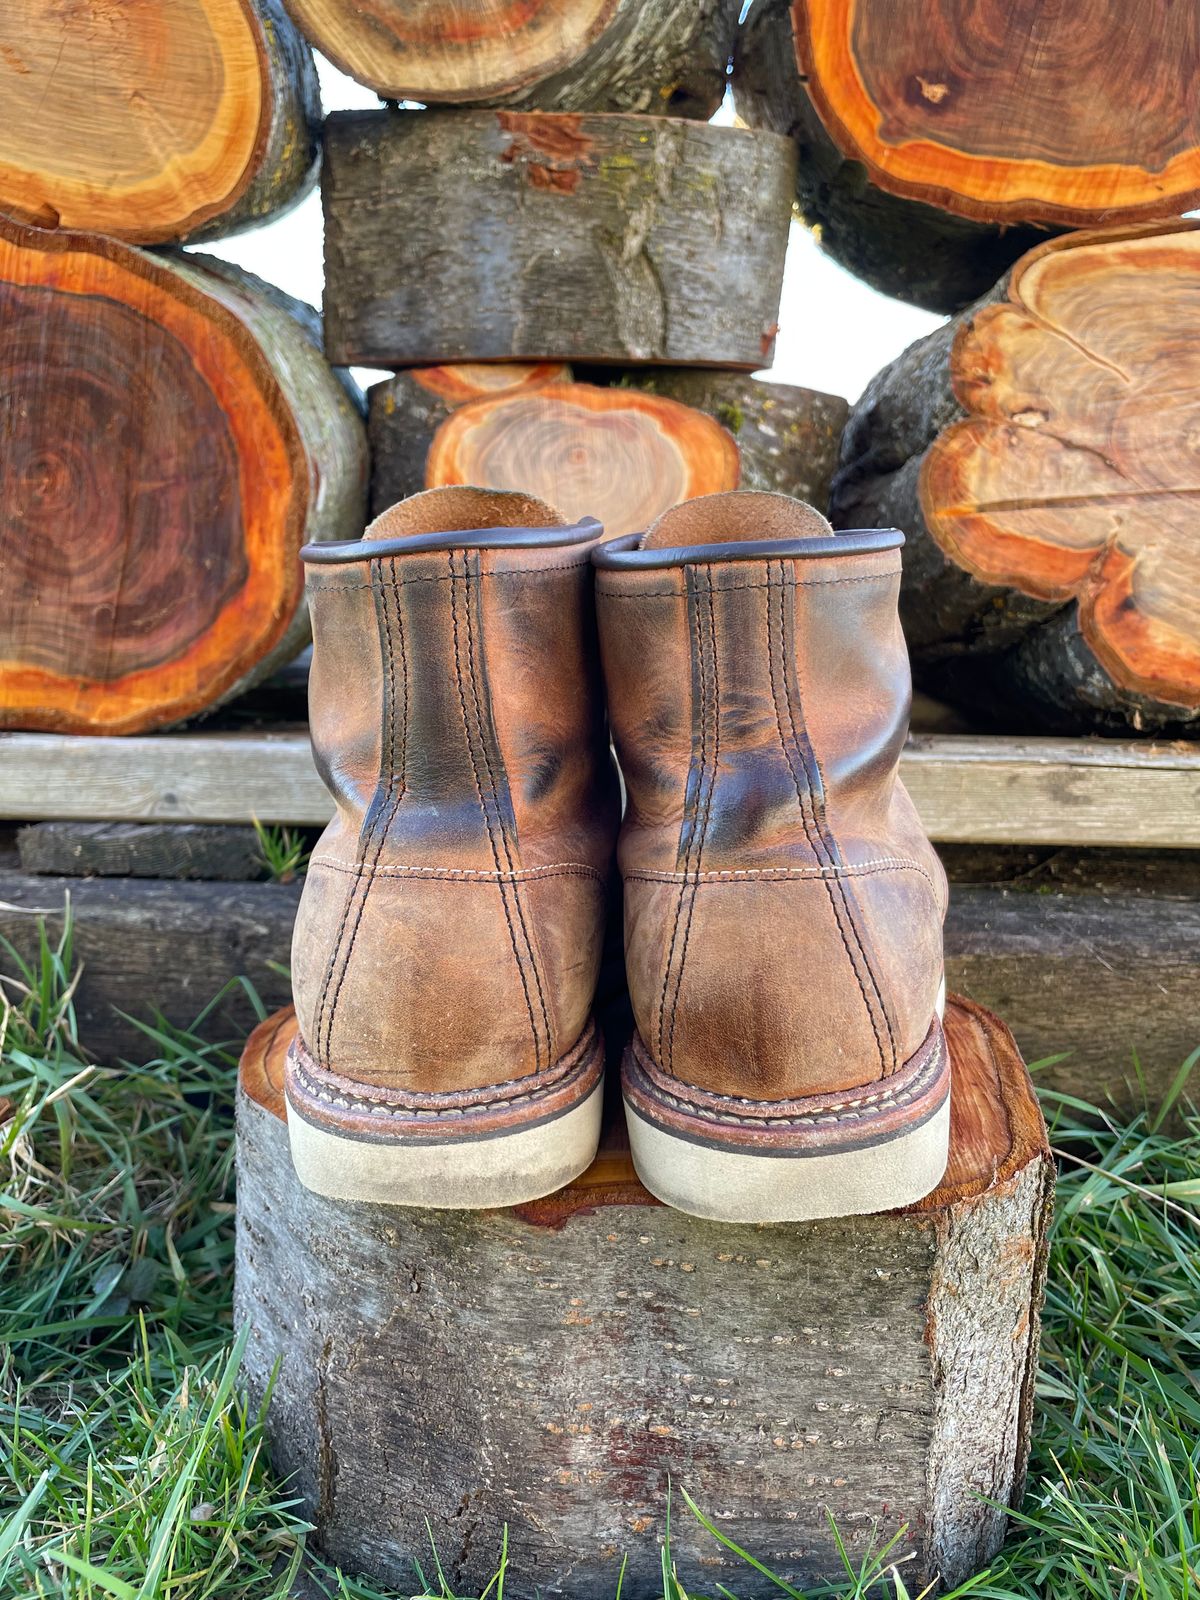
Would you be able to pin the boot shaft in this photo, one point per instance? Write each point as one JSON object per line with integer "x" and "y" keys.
{"x": 783, "y": 906}
{"x": 455, "y": 689}
{"x": 450, "y": 930}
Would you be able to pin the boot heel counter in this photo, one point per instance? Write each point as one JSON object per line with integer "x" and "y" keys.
{"x": 786, "y": 985}
{"x": 383, "y": 996}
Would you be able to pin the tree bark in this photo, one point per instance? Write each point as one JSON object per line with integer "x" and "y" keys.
{"x": 787, "y": 437}
{"x": 570, "y": 55}
{"x": 172, "y": 436}
{"x": 1038, "y": 452}
{"x": 406, "y": 410}
{"x": 155, "y": 120}
{"x": 599, "y": 238}
{"x": 548, "y": 1367}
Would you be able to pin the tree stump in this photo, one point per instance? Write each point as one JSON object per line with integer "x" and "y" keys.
{"x": 171, "y": 437}
{"x": 465, "y": 236}
{"x": 1041, "y": 454}
{"x": 154, "y": 120}
{"x": 927, "y": 132}
{"x": 407, "y": 409}
{"x": 547, "y": 1367}
{"x": 548, "y": 55}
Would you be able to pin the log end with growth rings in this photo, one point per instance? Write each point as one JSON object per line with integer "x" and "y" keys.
{"x": 158, "y": 478}
{"x": 1069, "y": 114}
{"x": 148, "y": 120}
{"x": 616, "y": 454}
{"x": 1075, "y": 474}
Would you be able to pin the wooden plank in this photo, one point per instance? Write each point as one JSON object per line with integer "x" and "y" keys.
{"x": 215, "y": 853}
{"x": 967, "y": 789}
{"x": 1107, "y": 979}
{"x": 149, "y": 946}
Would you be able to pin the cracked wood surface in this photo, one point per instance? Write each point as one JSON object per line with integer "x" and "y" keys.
{"x": 551, "y": 237}
{"x": 201, "y": 115}
{"x": 546, "y": 55}
{"x": 148, "y": 574}
{"x": 549, "y": 1366}
{"x": 1041, "y": 453}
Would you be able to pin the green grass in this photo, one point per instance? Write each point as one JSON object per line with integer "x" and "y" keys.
{"x": 130, "y": 1465}
{"x": 283, "y": 851}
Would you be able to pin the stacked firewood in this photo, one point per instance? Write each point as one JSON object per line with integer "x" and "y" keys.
{"x": 573, "y": 275}
{"x": 172, "y": 432}
{"x": 1040, "y": 451}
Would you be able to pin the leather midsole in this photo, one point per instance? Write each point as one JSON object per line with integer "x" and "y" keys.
{"x": 367, "y": 1112}
{"x": 813, "y": 1125}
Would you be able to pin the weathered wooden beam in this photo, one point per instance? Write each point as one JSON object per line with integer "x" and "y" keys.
{"x": 150, "y": 947}
{"x": 553, "y": 1367}
{"x": 967, "y": 789}
{"x": 210, "y": 852}
{"x": 1111, "y": 980}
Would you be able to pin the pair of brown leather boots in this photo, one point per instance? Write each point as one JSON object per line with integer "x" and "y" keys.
{"x": 783, "y": 907}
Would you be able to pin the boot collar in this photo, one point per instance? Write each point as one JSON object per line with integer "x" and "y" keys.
{"x": 626, "y": 555}
{"x": 336, "y": 553}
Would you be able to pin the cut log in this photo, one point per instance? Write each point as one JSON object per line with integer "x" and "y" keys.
{"x": 917, "y": 252}
{"x": 1041, "y": 455}
{"x": 624, "y": 452}
{"x": 543, "y": 55}
{"x": 553, "y": 1367}
{"x": 499, "y": 236}
{"x": 615, "y": 454}
{"x": 140, "y": 850}
{"x": 787, "y": 437}
{"x": 927, "y": 131}
{"x": 405, "y": 411}
{"x": 171, "y": 438}
{"x": 154, "y": 120}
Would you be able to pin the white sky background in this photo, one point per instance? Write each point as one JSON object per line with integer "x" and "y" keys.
{"x": 834, "y": 332}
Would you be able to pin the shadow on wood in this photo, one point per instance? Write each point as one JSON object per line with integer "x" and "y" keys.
{"x": 550, "y": 1366}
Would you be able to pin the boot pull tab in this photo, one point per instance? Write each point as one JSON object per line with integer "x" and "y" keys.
{"x": 743, "y": 514}
{"x": 462, "y": 508}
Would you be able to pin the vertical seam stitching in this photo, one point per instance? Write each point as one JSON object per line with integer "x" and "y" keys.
{"x": 393, "y": 795}
{"x": 817, "y": 846}
{"x": 487, "y": 821}
{"x": 843, "y": 891}
{"x": 714, "y": 758}
{"x": 836, "y": 888}
{"x": 363, "y": 846}
{"x": 703, "y": 692}
{"x": 478, "y": 702}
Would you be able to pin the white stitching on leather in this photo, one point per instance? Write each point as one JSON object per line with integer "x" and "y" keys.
{"x": 558, "y": 869}
{"x": 856, "y": 869}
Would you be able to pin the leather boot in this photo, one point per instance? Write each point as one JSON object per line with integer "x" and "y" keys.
{"x": 448, "y": 940}
{"x": 783, "y": 906}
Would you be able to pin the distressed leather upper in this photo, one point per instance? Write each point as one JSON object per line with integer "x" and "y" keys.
{"x": 783, "y": 906}
{"x": 450, "y": 929}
